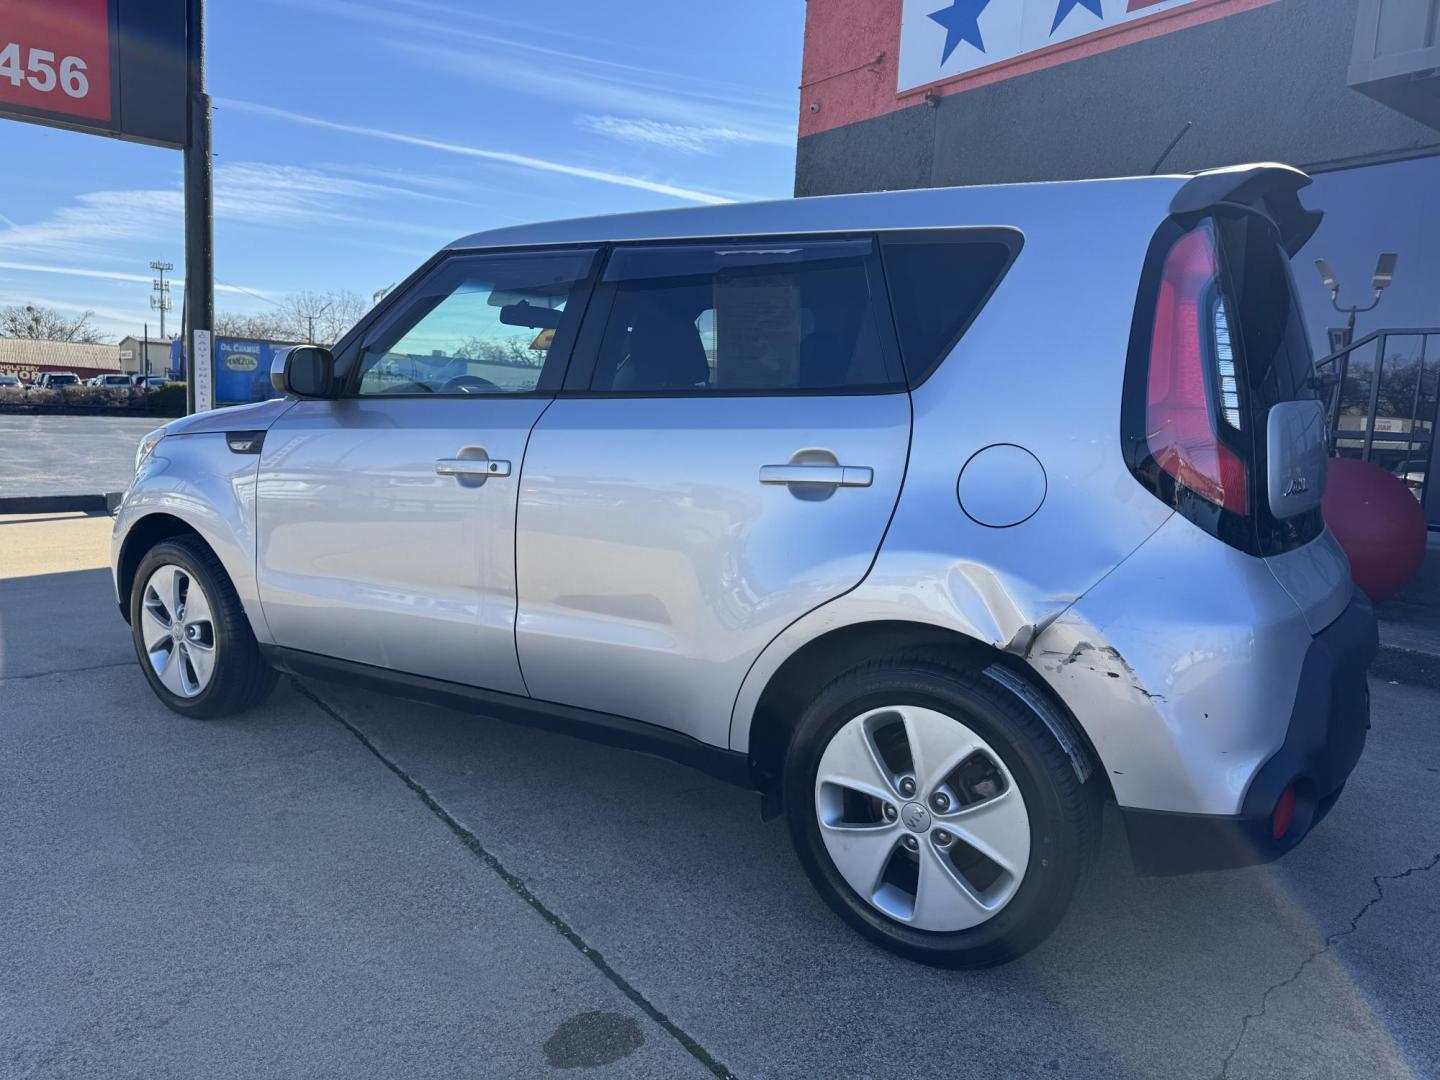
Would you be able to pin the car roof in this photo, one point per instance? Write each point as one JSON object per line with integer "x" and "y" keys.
{"x": 1018, "y": 205}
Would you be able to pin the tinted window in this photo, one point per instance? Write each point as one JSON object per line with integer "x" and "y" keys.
{"x": 764, "y": 316}
{"x": 486, "y": 324}
{"x": 938, "y": 284}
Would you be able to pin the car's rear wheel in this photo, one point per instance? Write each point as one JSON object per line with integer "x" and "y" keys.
{"x": 936, "y": 812}
{"x": 191, "y": 635}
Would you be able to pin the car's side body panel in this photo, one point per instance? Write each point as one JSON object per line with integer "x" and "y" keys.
{"x": 367, "y": 554}
{"x": 653, "y": 564}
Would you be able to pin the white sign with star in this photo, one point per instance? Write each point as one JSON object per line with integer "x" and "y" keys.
{"x": 940, "y": 39}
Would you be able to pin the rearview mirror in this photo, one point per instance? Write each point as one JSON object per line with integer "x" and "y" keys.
{"x": 304, "y": 371}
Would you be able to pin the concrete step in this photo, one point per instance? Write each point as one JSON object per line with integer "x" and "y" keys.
{"x": 1409, "y": 643}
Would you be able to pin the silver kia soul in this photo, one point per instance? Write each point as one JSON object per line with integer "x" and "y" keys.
{"x": 939, "y": 517}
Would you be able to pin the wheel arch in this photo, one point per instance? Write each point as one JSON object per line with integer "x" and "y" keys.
{"x": 140, "y": 538}
{"x": 763, "y": 730}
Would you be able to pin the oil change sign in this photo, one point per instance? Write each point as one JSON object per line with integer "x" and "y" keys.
{"x": 942, "y": 39}
{"x": 55, "y": 58}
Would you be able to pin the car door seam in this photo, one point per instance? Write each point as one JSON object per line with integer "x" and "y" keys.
{"x": 874, "y": 558}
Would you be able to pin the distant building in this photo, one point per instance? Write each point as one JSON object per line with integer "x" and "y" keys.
{"x": 134, "y": 349}
{"x": 27, "y": 358}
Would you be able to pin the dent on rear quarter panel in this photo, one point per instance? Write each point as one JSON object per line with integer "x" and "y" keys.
{"x": 198, "y": 479}
{"x": 1182, "y": 667}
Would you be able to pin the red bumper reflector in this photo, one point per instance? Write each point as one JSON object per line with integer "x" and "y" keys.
{"x": 1284, "y": 815}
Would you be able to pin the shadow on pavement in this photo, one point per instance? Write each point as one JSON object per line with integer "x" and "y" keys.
{"x": 60, "y": 622}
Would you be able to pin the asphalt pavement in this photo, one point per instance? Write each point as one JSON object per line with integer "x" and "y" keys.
{"x": 342, "y": 884}
{"x": 69, "y": 455}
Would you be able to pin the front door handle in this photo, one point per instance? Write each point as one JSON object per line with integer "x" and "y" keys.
{"x": 473, "y": 468}
{"x": 833, "y": 475}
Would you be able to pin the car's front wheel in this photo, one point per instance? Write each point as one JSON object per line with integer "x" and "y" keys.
{"x": 936, "y": 812}
{"x": 191, "y": 634}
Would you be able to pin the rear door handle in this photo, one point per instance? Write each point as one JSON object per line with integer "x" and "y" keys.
{"x": 834, "y": 475}
{"x": 472, "y": 467}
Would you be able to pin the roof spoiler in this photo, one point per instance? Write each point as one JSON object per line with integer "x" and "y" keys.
{"x": 1269, "y": 187}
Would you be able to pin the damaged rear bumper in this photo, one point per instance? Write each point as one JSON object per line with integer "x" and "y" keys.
{"x": 1294, "y": 790}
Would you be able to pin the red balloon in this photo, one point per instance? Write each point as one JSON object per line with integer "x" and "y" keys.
{"x": 1378, "y": 522}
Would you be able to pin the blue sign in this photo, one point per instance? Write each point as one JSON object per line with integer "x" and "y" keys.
{"x": 242, "y": 369}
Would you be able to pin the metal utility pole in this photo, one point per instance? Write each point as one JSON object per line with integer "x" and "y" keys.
{"x": 311, "y": 316}
{"x": 199, "y": 205}
{"x": 161, "y": 288}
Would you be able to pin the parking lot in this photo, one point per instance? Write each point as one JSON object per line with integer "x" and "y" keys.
{"x": 69, "y": 455}
{"x": 345, "y": 885}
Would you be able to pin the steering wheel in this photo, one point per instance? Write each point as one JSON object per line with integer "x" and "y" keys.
{"x": 469, "y": 384}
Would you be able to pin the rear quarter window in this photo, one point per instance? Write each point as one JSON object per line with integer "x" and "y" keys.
{"x": 939, "y": 282}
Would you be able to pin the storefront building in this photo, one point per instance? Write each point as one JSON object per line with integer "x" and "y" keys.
{"x": 924, "y": 93}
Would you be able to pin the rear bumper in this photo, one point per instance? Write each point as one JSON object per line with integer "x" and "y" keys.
{"x": 1323, "y": 742}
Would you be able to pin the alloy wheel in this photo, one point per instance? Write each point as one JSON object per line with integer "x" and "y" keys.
{"x": 921, "y": 817}
{"x": 178, "y": 631}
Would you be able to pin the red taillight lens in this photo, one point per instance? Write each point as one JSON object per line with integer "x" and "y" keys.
{"x": 1178, "y": 426}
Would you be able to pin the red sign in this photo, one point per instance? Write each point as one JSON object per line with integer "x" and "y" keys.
{"x": 55, "y": 57}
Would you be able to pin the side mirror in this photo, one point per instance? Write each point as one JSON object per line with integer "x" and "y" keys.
{"x": 304, "y": 371}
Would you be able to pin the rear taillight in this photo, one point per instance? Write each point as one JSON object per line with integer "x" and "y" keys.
{"x": 1191, "y": 366}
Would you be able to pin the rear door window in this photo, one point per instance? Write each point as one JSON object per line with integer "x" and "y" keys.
{"x": 764, "y": 316}
{"x": 939, "y": 282}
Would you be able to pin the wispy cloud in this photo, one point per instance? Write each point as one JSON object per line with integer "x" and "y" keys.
{"x": 249, "y": 193}
{"x": 500, "y": 156}
{"x": 687, "y": 138}
{"x": 109, "y": 320}
{"x": 454, "y": 24}
{"x": 538, "y": 69}
{"x": 615, "y": 92}
{"x": 120, "y": 275}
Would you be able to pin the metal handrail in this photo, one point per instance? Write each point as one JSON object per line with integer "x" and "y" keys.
{"x": 1341, "y": 359}
{"x": 1374, "y": 335}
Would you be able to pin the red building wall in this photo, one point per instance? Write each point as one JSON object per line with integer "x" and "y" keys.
{"x": 852, "y": 52}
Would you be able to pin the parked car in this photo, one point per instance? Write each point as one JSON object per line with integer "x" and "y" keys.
{"x": 112, "y": 381}
{"x": 53, "y": 380}
{"x": 11, "y": 382}
{"x": 148, "y": 381}
{"x": 939, "y": 517}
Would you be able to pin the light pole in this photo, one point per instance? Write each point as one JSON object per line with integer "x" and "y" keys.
{"x": 1384, "y": 275}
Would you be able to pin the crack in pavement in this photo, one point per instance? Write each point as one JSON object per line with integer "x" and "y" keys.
{"x": 65, "y": 671}
{"x": 517, "y": 886}
{"x": 1325, "y": 946}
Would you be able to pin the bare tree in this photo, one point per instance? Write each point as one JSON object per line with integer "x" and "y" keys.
{"x": 265, "y": 326}
{"x": 325, "y": 315}
{"x": 39, "y": 323}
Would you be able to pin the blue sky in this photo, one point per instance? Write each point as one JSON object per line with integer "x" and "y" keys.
{"x": 354, "y": 137}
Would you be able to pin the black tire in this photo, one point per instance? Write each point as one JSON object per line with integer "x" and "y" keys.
{"x": 242, "y": 678}
{"x": 1063, "y": 813}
